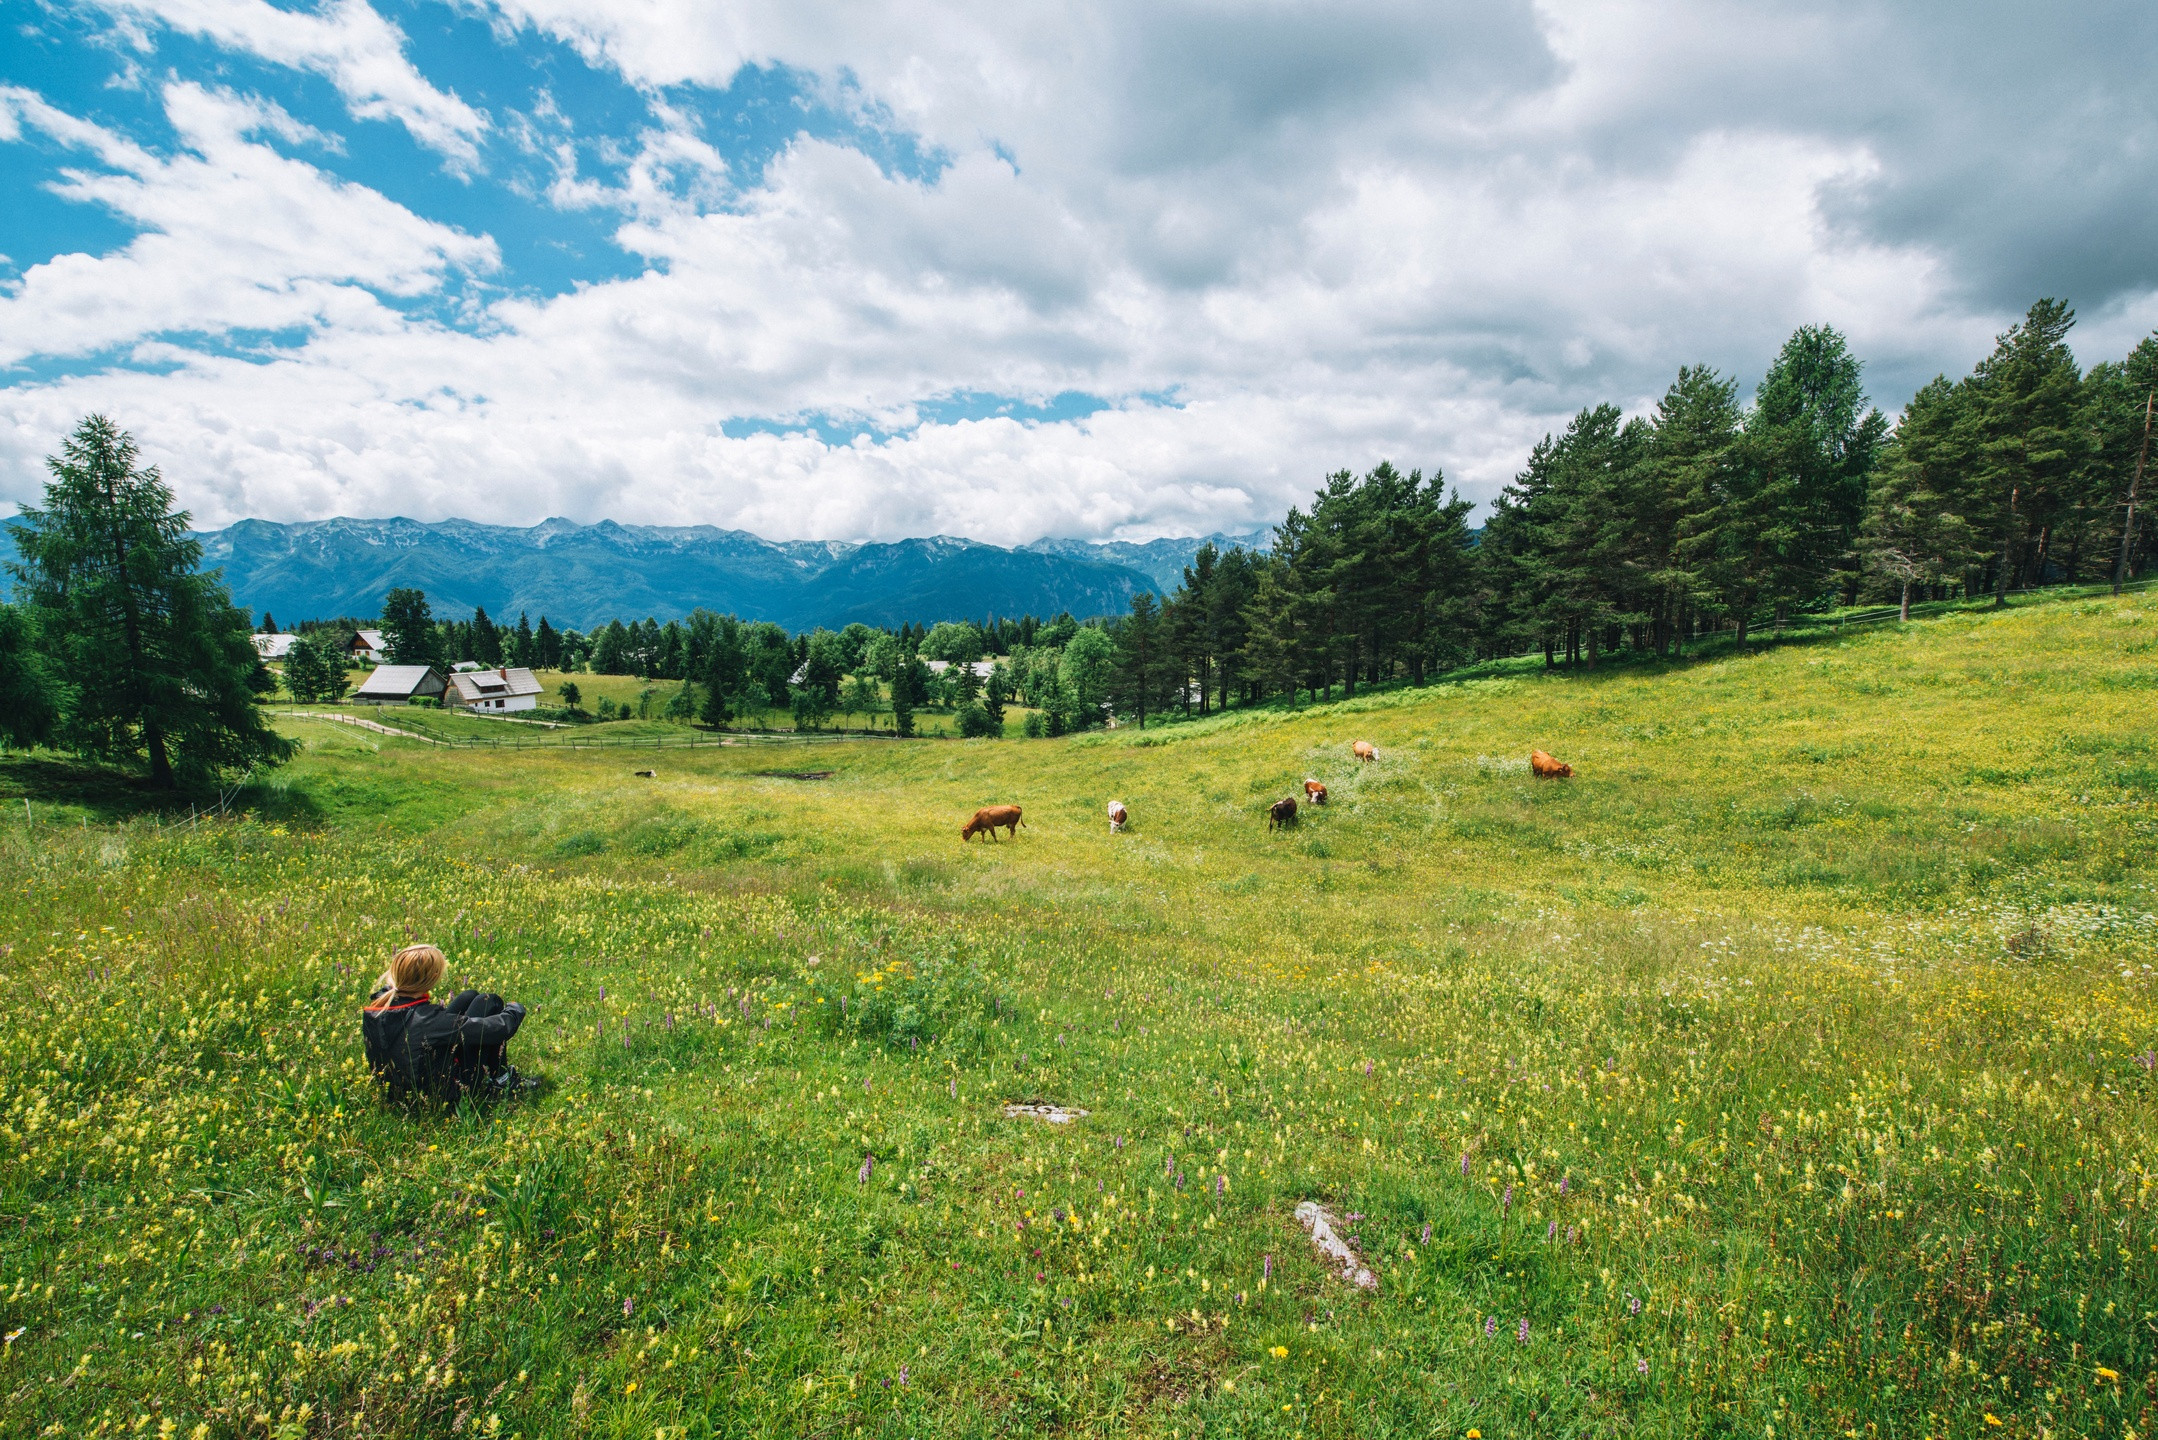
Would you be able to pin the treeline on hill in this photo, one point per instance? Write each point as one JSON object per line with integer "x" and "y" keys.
{"x": 1708, "y": 515}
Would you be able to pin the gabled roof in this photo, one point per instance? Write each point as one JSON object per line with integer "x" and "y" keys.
{"x": 402, "y": 680}
{"x": 497, "y": 684}
{"x": 372, "y": 640}
{"x": 274, "y": 646}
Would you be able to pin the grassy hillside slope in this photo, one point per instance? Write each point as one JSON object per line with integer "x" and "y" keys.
{"x": 1792, "y": 1067}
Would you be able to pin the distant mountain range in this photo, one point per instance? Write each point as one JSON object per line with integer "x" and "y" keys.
{"x": 585, "y": 575}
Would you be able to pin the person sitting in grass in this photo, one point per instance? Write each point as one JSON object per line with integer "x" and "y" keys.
{"x": 417, "y": 1047}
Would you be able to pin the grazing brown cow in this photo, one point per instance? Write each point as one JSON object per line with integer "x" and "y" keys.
{"x": 1118, "y": 816}
{"x": 1362, "y": 750}
{"x": 1281, "y": 812}
{"x": 1548, "y": 767}
{"x": 1314, "y": 793}
{"x": 988, "y": 818}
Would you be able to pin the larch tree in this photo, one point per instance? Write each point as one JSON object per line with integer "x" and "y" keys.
{"x": 159, "y": 662}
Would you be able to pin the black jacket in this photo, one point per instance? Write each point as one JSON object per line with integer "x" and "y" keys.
{"x": 423, "y": 1048}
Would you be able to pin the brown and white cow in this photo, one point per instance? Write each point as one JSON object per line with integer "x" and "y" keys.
{"x": 1362, "y": 750}
{"x": 1549, "y": 767}
{"x": 988, "y": 818}
{"x": 1282, "y": 812}
{"x": 1118, "y": 816}
{"x": 1314, "y": 792}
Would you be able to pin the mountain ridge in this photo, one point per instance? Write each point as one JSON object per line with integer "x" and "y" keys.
{"x": 582, "y": 575}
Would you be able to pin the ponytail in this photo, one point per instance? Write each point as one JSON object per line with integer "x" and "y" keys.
{"x": 413, "y": 972}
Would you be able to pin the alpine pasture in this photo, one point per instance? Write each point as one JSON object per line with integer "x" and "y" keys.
{"x": 1788, "y": 1071}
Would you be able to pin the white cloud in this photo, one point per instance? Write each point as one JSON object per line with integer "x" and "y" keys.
{"x": 237, "y": 236}
{"x": 360, "y": 53}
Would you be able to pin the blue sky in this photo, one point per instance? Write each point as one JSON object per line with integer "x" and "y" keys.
{"x": 858, "y": 272}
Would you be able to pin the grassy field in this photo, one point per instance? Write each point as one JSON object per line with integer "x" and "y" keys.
{"x": 1788, "y": 1072}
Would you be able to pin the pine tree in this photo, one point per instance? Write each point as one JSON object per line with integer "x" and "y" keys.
{"x": 2030, "y": 445}
{"x": 1142, "y": 663}
{"x": 1914, "y": 532}
{"x": 303, "y": 671}
{"x": 159, "y": 661}
{"x": 408, "y": 624}
{"x": 486, "y": 639}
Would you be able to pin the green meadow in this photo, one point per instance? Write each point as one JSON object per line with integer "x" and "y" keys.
{"x": 1787, "y": 1072}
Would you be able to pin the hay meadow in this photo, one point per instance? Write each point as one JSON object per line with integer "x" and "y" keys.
{"x": 1788, "y": 1072}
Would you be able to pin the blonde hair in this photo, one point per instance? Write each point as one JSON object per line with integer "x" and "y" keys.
{"x": 413, "y": 971}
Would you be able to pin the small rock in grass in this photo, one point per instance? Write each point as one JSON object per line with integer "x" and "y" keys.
{"x": 1054, "y": 1114}
{"x": 1321, "y": 1222}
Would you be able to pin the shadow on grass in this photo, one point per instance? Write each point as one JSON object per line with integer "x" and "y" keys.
{"x": 75, "y": 788}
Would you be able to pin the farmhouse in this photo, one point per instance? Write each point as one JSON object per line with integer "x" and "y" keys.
{"x": 368, "y": 645}
{"x": 274, "y": 647}
{"x": 981, "y": 668}
{"x": 397, "y": 684}
{"x": 502, "y": 688}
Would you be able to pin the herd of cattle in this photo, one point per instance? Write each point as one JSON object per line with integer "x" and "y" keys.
{"x": 990, "y": 818}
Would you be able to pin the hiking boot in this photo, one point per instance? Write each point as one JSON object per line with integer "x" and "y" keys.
{"x": 512, "y": 1081}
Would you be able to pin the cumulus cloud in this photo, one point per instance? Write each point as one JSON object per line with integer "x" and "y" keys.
{"x": 236, "y": 236}
{"x": 346, "y": 41}
{"x": 1277, "y": 240}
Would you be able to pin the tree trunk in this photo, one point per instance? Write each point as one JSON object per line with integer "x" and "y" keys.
{"x": 153, "y": 734}
{"x": 1905, "y": 617}
{"x": 2008, "y": 555}
{"x": 2128, "y": 526}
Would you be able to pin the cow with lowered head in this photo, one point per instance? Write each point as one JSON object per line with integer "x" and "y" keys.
{"x": 988, "y": 818}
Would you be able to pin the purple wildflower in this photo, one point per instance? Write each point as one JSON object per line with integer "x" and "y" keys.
{"x": 629, "y": 1307}
{"x": 865, "y": 1084}
{"x": 1491, "y": 1325}
{"x": 1464, "y": 1163}
{"x": 602, "y": 992}
{"x": 1571, "y": 1234}
{"x": 1506, "y": 1201}
{"x": 1220, "y": 1182}
{"x": 1640, "y": 1367}
{"x": 1564, "y": 1183}
{"x": 1552, "y": 1233}
{"x": 869, "y": 1163}
{"x": 1427, "y": 1235}
{"x": 1633, "y": 1304}
{"x": 902, "y": 1375}
{"x": 1269, "y": 1270}
{"x": 1522, "y": 1335}
{"x": 1367, "y": 1067}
